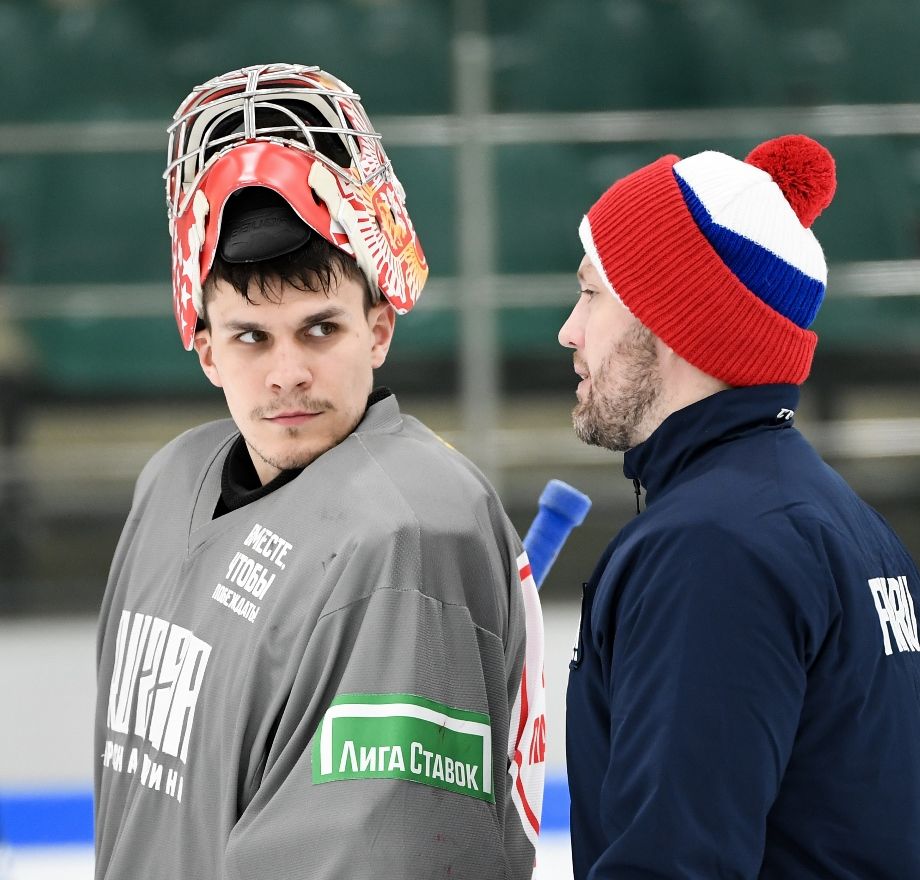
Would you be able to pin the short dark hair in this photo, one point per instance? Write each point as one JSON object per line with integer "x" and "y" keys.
{"x": 315, "y": 267}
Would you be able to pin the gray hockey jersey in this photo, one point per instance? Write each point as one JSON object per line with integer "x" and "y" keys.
{"x": 341, "y": 679}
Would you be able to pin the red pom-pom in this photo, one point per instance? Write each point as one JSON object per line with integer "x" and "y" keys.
{"x": 802, "y": 169}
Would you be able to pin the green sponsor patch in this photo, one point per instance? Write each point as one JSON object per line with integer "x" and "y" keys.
{"x": 402, "y": 736}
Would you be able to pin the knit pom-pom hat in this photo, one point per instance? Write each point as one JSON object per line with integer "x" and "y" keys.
{"x": 715, "y": 256}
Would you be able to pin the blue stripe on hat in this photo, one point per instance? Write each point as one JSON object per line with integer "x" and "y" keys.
{"x": 779, "y": 284}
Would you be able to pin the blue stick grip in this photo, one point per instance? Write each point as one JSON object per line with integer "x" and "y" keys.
{"x": 562, "y": 507}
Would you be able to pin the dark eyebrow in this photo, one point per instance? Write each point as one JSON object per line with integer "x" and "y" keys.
{"x": 309, "y": 321}
{"x": 240, "y": 326}
{"x": 324, "y": 315}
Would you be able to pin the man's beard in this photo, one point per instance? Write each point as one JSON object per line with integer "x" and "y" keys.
{"x": 295, "y": 459}
{"x": 315, "y": 446}
{"x": 622, "y": 393}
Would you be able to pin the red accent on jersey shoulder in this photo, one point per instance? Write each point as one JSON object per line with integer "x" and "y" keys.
{"x": 525, "y": 708}
{"x": 534, "y": 821}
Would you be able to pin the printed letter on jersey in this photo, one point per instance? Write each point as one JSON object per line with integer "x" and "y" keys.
{"x": 403, "y": 736}
{"x": 895, "y": 607}
{"x": 156, "y": 682}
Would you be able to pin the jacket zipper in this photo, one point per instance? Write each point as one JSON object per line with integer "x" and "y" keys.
{"x": 579, "y": 650}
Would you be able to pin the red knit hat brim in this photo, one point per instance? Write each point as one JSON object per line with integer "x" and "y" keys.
{"x": 669, "y": 276}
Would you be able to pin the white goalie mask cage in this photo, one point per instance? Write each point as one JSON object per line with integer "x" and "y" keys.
{"x": 303, "y": 133}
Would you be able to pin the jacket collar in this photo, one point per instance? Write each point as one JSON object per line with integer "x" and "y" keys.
{"x": 690, "y": 432}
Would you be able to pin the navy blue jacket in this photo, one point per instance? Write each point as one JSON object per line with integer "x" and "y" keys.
{"x": 745, "y": 698}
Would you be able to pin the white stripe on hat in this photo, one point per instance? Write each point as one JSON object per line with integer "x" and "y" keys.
{"x": 745, "y": 200}
{"x": 587, "y": 242}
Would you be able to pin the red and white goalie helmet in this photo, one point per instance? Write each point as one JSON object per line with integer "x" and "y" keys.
{"x": 303, "y": 134}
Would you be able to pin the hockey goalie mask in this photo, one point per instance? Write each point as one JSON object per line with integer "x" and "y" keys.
{"x": 303, "y": 134}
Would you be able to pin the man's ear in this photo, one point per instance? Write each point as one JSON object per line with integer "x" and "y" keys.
{"x": 382, "y": 321}
{"x": 205, "y": 352}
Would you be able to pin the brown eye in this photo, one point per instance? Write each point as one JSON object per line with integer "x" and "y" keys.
{"x": 251, "y": 337}
{"x": 325, "y": 328}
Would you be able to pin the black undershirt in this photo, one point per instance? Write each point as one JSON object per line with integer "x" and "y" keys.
{"x": 239, "y": 482}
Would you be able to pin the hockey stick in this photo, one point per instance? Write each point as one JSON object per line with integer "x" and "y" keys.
{"x": 562, "y": 507}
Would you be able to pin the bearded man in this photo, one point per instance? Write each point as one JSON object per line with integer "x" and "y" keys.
{"x": 744, "y": 699}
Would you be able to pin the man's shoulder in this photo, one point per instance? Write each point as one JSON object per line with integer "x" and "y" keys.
{"x": 205, "y": 436}
{"x": 411, "y": 478}
{"x": 737, "y": 527}
{"x": 190, "y": 450}
{"x": 199, "y": 441}
{"x": 418, "y": 462}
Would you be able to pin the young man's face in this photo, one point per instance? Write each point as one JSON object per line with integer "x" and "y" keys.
{"x": 296, "y": 373}
{"x": 617, "y": 358}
